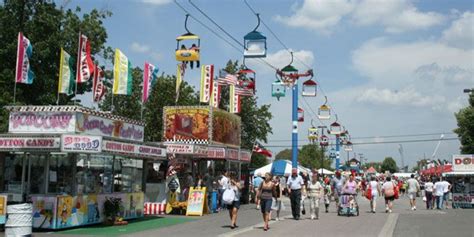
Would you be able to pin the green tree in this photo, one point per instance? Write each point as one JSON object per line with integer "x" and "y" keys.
{"x": 49, "y": 28}
{"x": 258, "y": 161}
{"x": 465, "y": 130}
{"x": 284, "y": 155}
{"x": 389, "y": 164}
{"x": 312, "y": 156}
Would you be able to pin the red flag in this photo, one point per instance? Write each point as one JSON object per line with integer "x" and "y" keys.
{"x": 258, "y": 148}
{"x": 85, "y": 66}
{"x": 98, "y": 87}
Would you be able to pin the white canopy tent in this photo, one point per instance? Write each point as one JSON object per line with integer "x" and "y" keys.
{"x": 325, "y": 171}
{"x": 288, "y": 167}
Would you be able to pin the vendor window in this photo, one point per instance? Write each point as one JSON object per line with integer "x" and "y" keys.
{"x": 36, "y": 170}
{"x": 59, "y": 175}
{"x": 128, "y": 174}
{"x": 94, "y": 173}
{"x": 11, "y": 170}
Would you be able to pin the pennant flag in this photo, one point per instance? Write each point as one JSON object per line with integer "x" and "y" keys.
{"x": 24, "y": 74}
{"x": 234, "y": 101}
{"x": 207, "y": 75}
{"x": 122, "y": 74}
{"x": 85, "y": 66}
{"x": 179, "y": 78}
{"x": 150, "y": 76}
{"x": 259, "y": 149}
{"x": 66, "y": 74}
{"x": 216, "y": 95}
{"x": 226, "y": 78}
{"x": 98, "y": 86}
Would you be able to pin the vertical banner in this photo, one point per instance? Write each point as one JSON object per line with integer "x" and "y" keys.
{"x": 24, "y": 74}
{"x": 122, "y": 74}
{"x": 150, "y": 75}
{"x": 181, "y": 68}
{"x": 207, "y": 75}
{"x": 66, "y": 74}
{"x": 234, "y": 100}
{"x": 98, "y": 86}
{"x": 216, "y": 94}
{"x": 85, "y": 66}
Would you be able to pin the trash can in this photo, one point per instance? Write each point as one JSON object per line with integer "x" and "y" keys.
{"x": 19, "y": 220}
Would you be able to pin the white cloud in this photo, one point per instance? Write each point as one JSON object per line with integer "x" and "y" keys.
{"x": 139, "y": 48}
{"x": 406, "y": 97}
{"x": 282, "y": 58}
{"x": 461, "y": 32}
{"x": 396, "y": 16}
{"x": 157, "y": 2}
{"x": 319, "y": 15}
{"x": 454, "y": 74}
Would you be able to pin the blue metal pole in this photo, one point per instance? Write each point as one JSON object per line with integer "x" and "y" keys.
{"x": 294, "y": 134}
{"x": 338, "y": 162}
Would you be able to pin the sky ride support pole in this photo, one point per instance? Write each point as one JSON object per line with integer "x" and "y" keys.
{"x": 338, "y": 161}
{"x": 294, "y": 134}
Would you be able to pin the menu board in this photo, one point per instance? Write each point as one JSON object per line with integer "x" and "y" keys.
{"x": 196, "y": 202}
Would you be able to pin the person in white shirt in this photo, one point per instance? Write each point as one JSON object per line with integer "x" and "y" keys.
{"x": 429, "y": 194}
{"x": 375, "y": 187}
{"x": 413, "y": 188}
{"x": 446, "y": 189}
{"x": 223, "y": 184}
{"x": 439, "y": 192}
{"x": 295, "y": 183}
{"x": 388, "y": 190}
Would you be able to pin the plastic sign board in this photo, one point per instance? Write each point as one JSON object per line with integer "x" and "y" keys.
{"x": 41, "y": 122}
{"x": 28, "y": 143}
{"x": 81, "y": 143}
{"x": 133, "y": 149}
{"x": 3, "y": 209}
{"x": 196, "y": 202}
{"x": 463, "y": 163}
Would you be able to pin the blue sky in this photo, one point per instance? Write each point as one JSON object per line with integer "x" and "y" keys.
{"x": 393, "y": 67}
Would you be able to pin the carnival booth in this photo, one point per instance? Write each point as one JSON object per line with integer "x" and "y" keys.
{"x": 68, "y": 160}
{"x": 203, "y": 142}
{"x": 462, "y": 179}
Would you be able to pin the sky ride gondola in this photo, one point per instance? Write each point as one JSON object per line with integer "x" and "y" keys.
{"x": 255, "y": 43}
{"x": 348, "y": 146}
{"x": 323, "y": 139}
{"x": 336, "y": 128}
{"x": 324, "y": 111}
{"x": 310, "y": 88}
{"x": 191, "y": 52}
{"x": 312, "y": 133}
{"x": 278, "y": 89}
{"x": 300, "y": 115}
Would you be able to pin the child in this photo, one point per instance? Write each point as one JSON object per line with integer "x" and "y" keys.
{"x": 327, "y": 196}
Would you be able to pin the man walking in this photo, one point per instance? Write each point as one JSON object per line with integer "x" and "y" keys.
{"x": 336, "y": 184}
{"x": 257, "y": 181}
{"x": 446, "y": 190}
{"x": 439, "y": 192}
{"x": 294, "y": 183}
{"x": 413, "y": 189}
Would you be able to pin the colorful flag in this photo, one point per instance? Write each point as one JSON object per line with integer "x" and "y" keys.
{"x": 85, "y": 66}
{"x": 226, "y": 78}
{"x": 207, "y": 75}
{"x": 234, "y": 100}
{"x": 216, "y": 95}
{"x": 150, "y": 75}
{"x": 181, "y": 68}
{"x": 243, "y": 91}
{"x": 66, "y": 74}
{"x": 122, "y": 74}
{"x": 98, "y": 86}
{"x": 24, "y": 74}
{"x": 258, "y": 148}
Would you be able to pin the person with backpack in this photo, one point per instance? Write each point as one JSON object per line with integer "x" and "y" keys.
{"x": 267, "y": 192}
{"x": 231, "y": 198}
{"x": 388, "y": 189}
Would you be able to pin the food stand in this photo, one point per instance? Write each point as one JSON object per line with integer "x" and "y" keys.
{"x": 67, "y": 160}
{"x": 204, "y": 142}
{"x": 462, "y": 179}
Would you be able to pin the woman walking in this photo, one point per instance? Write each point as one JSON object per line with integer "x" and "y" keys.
{"x": 277, "y": 205}
{"x": 388, "y": 189}
{"x": 234, "y": 207}
{"x": 375, "y": 192}
{"x": 314, "y": 190}
{"x": 266, "y": 191}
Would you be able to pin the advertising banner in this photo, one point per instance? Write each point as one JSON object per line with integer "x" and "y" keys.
{"x": 180, "y": 149}
{"x": 463, "y": 163}
{"x": 225, "y": 128}
{"x": 94, "y": 125}
{"x": 196, "y": 201}
{"x": 232, "y": 154}
{"x": 81, "y": 143}
{"x": 215, "y": 152}
{"x": 41, "y": 122}
{"x": 3, "y": 208}
{"x": 29, "y": 143}
{"x": 464, "y": 200}
{"x": 186, "y": 123}
{"x": 133, "y": 149}
{"x": 245, "y": 156}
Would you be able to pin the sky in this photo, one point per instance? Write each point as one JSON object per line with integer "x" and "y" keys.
{"x": 388, "y": 68}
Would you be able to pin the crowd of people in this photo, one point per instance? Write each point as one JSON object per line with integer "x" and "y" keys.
{"x": 303, "y": 188}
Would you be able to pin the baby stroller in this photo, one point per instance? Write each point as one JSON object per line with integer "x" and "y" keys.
{"x": 348, "y": 205}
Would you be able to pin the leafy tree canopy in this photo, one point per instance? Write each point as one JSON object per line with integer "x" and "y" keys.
{"x": 389, "y": 164}
{"x": 465, "y": 130}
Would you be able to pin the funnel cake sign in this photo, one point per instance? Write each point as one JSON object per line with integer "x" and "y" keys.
{"x": 93, "y": 125}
